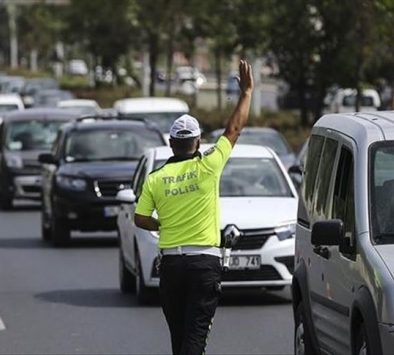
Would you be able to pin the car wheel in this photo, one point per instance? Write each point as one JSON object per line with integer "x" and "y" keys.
{"x": 126, "y": 279}
{"x": 362, "y": 347}
{"x": 145, "y": 295}
{"x": 46, "y": 232}
{"x": 5, "y": 203}
{"x": 302, "y": 337}
{"x": 60, "y": 232}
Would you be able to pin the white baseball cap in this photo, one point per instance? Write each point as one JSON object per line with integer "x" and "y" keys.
{"x": 185, "y": 126}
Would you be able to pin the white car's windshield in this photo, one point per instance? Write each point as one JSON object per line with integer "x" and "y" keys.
{"x": 31, "y": 135}
{"x": 251, "y": 177}
{"x": 8, "y": 107}
{"x": 109, "y": 144}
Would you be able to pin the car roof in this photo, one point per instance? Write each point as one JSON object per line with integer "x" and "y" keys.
{"x": 364, "y": 127}
{"x": 41, "y": 114}
{"x": 89, "y": 124}
{"x": 219, "y": 131}
{"x": 77, "y": 102}
{"x": 239, "y": 151}
{"x": 10, "y": 99}
{"x": 151, "y": 105}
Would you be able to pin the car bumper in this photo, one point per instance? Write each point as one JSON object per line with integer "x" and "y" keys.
{"x": 87, "y": 215}
{"x": 387, "y": 337}
{"x": 277, "y": 263}
{"x": 28, "y": 187}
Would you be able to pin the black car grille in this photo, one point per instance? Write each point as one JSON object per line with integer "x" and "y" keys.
{"x": 32, "y": 189}
{"x": 265, "y": 273}
{"x": 253, "y": 238}
{"x": 110, "y": 188}
{"x": 288, "y": 261}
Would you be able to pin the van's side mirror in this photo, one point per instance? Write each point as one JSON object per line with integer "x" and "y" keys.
{"x": 327, "y": 232}
{"x": 47, "y": 158}
{"x": 126, "y": 196}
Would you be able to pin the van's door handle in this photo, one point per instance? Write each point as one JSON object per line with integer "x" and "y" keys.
{"x": 324, "y": 252}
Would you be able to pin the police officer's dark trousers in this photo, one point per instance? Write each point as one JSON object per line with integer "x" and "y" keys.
{"x": 189, "y": 293}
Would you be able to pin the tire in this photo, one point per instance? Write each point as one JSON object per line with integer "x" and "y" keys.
{"x": 60, "y": 232}
{"x": 6, "y": 203}
{"x": 302, "y": 336}
{"x": 127, "y": 280}
{"x": 46, "y": 232}
{"x": 145, "y": 295}
{"x": 362, "y": 346}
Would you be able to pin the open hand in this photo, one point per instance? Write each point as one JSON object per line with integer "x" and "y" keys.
{"x": 245, "y": 77}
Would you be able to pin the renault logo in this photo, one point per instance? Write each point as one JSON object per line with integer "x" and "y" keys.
{"x": 231, "y": 235}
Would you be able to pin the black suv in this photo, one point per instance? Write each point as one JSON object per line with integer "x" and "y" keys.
{"x": 90, "y": 162}
{"x": 23, "y": 136}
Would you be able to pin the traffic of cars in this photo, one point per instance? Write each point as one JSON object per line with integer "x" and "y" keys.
{"x": 87, "y": 166}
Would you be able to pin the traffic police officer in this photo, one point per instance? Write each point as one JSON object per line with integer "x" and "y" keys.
{"x": 185, "y": 195}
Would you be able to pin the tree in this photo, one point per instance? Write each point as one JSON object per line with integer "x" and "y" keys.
{"x": 215, "y": 21}
{"x": 41, "y": 27}
{"x": 101, "y": 27}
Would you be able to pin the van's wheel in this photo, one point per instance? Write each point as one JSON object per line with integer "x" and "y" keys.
{"x": 302, "y": 337}
{"x": 127, "y": 280}
{"x": 60, "y": 232}
{"x": 6, "y": 203}
{"x": 145, "y": 295}
{"x": 362, "y": 347}
{"x": 46, "y": 233}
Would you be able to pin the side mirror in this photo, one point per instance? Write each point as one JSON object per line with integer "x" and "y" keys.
{"x": 126, "y": 196}
{"x": 47, "y": 158}
{"x": 327, "y": 232}
{"x": 295, "y": 174}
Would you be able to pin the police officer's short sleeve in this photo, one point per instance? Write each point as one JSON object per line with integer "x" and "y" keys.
{"x": 215, "y": 158}
{"x": 146, "y": 204}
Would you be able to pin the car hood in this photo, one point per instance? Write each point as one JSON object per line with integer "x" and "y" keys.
{"x": 100, "y": 170}
{"x": 258, "y": 212}
{"x": 386, "y": 252}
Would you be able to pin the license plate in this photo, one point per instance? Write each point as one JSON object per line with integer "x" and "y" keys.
{"x": 111, "y": 211}
{"x": 245, "y": 262}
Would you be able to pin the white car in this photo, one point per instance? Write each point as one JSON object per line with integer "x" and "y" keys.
{"x": 78, "y": 67}
{"x": 257, "y": 197}
{"x": 85, "y": 107}
{"x": 344, "y": 101}
{"x": 161, "y": 111}
{"x": 10, "y": 102}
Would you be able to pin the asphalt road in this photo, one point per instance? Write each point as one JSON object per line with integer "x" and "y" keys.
{"x": 67, "y": 301}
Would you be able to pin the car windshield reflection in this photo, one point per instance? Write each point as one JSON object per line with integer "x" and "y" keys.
{"x": 107, "y": 145}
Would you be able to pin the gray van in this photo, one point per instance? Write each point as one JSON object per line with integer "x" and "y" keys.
{"x": 343, "y": 283}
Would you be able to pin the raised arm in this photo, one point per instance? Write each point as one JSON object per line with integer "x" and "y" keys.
{"x": 240, "y": 115}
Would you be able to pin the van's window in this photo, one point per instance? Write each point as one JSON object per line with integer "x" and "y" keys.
{"x": 312, "y": 164}
{"x": 31, "y": 135}
{"x": 343, "y": 199}
{"x": 350, "y": 101}
{"x": 382, "y": 192}
{"x": 324, "y": 176}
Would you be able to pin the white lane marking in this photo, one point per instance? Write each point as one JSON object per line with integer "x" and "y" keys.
{"x": 2, "y": 325}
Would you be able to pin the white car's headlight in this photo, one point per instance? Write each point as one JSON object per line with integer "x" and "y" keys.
{"x": 13, "y": 161}
{"x": 286, "y": 231}
{"x": 70, "y": 183}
